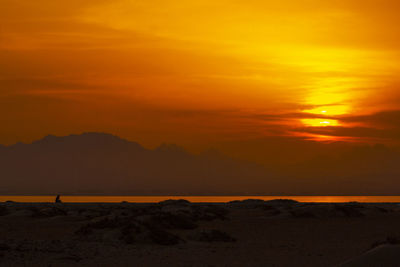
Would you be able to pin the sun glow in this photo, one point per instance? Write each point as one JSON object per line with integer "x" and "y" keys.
{"x": 330, "y": 110}
{"x": 320, "y": 122}
{"x": 195, "y": 71}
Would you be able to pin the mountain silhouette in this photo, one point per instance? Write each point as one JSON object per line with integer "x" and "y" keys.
{"x": 98, "y": 163}
{"x": 104, "y": 164}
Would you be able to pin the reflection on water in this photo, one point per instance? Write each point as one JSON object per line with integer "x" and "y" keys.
{"x": 151, "y": 199}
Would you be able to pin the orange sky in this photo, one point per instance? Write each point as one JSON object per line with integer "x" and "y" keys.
{"x": 197, "y": 72}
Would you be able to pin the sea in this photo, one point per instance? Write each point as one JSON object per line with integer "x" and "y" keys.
{"x": 197, "y": 199}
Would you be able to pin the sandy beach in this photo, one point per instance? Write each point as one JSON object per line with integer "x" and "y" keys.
{"x": 180, "y": 233}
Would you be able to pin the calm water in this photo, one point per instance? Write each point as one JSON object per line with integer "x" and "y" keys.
{"x": 150, "y": 199}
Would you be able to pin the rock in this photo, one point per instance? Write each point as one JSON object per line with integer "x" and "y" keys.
{"x": 176, "y": 208}
{"x": 248, "y": 202}
{"x": 390, "y": 240}
{"x": 213, "y": 236}
{"x": 178, "y": 202}
{"x": 282, "y": 202}
{"x": 350, "y": 210}
{"x": 111, "y": 235}
{"x": 327, "y": 211}
{"x": 163, "y": 237}
{"x": 50, "y": 212}
{"x": 3, "y": 211}
{"x": 271, "y": 211}
{"x": 90, "y": 214}
{"x": 74, "y": 258}
{"x": 21, "y": 213}
{"x": 171, "y": 221}
{"x": 383, "y": 255}
{"x": 4, "y": 247}
{"x": 217, "y": 211}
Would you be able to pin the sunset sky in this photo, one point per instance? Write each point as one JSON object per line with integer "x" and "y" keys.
{"x": 201, "y": 72}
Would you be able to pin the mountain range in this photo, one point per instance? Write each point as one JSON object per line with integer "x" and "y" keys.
{"x": 104, "y": 164}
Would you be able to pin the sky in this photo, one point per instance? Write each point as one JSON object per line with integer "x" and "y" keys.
{"x": 201, "y": 72}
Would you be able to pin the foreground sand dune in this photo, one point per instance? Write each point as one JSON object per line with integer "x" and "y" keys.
{"x": 180, "y": 233}
{"x": 383, "y": 255}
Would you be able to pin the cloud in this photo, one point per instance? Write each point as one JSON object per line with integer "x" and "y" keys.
{"x": 387, "y": 118}
{"x": 357, "y": 132}
{"x": 382, "y": 126}
{"x": 246, "y": 71}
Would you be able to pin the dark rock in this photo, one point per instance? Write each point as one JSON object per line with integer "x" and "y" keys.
{"x": 131, "y": 232}
{"x": 209, "y": 213}
{"x": 74, "y": 258}
{"x": 390, "y": 240}
{"x": 84, "y": 230}
{"x": 302, "y": 214}
{"x": 247, "y": 202}
{"x": 4, "y": 247}
{"x": 327, "y": 211}
{"x": 219, "y": 212}
{"x": 213, "y": 236}
{"x": 282, "y": 201}
{"x": 3, "y": 211}
{"x": 179, "y": 202}
{"x": 350, "y": 210}
{"x": 271, "y": 211}
{"x": 163, "y": 237}
{"x": 172, "y": 221}
{"x": 47, "y": 212}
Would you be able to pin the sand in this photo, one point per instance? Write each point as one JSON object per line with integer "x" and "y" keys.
{"x": 384, "y": 255}
{"x": 180, "y": 233}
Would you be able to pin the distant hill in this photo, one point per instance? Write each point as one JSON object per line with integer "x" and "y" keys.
{"x": 98, "y": 163}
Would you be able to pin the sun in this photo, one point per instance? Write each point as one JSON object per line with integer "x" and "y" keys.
{"x": 322, "y": 122}
{"x": 329, "y": 110}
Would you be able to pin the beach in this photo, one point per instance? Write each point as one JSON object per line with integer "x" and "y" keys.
{"x": 181, "y": 233}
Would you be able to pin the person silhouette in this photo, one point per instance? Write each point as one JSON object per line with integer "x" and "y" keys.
{"x": 58, "y": 200}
